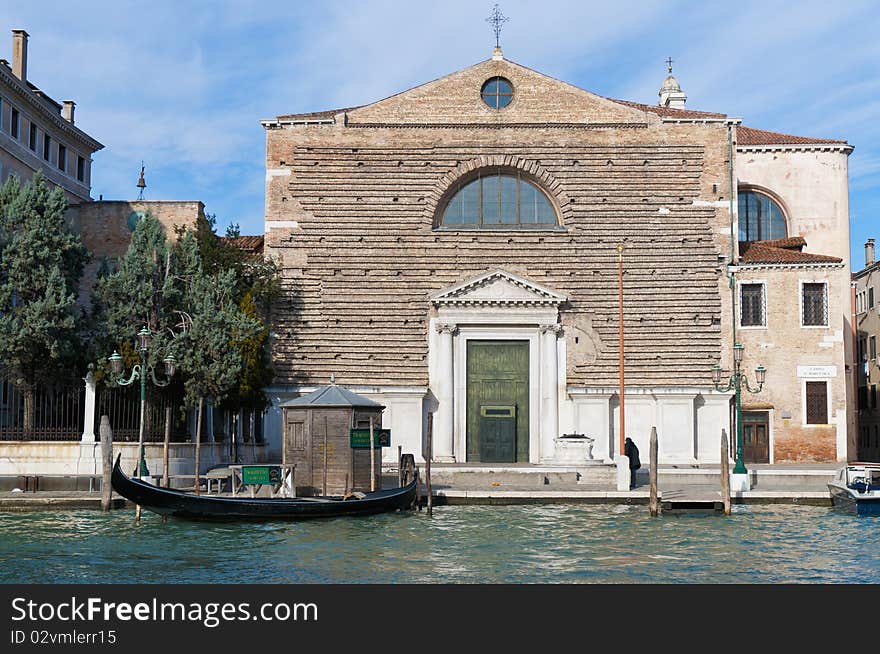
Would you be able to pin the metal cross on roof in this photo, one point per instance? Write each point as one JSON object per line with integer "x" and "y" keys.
{"x": 669, "y": 63}
{"x": 497, "y": 19}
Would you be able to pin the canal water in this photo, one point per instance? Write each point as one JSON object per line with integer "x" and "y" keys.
{"x": 460, "y": 544}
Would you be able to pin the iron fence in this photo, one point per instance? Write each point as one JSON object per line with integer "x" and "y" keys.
{"x": 56, "y": 413}
{"x": 122, "y": 406}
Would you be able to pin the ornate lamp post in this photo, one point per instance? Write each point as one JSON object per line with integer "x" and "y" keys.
{"x": 140, "y": 372}
{"x": 735, "y": 383}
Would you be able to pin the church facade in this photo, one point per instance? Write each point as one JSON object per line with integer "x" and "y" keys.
{"x": 454, "y": 252}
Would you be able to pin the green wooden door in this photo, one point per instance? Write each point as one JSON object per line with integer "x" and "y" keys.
{"x": 497, "y": 376}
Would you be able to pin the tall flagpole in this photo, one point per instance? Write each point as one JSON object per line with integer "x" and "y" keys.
{"x": 620, "y": 322}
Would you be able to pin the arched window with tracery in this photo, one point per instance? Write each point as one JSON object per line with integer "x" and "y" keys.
{"x": 497, "y": 198}
{"x": 761, "y": 218}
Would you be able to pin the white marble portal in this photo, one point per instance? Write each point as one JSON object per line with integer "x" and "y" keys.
{"x": 494, "y": 306}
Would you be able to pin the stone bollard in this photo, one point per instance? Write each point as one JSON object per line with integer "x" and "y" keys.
{"x": 739, "y": 482}
{"x": 623, "y": 472}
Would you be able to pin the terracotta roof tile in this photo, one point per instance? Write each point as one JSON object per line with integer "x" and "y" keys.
{"x": 248, "y": 243}
{"x": 751, "y": 136}
{"x": 668, "y": 112}
{"x": 788, "y": 243}
{"x": 770, "y": 252}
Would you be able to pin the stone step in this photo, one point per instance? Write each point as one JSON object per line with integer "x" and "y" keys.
{"x": 760, "y": 478}
{"x": 489, "y": 477}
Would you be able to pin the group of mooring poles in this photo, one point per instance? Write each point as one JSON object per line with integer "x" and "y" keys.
{"x": 429, "y": 451}
{"x": 654, "y": 501}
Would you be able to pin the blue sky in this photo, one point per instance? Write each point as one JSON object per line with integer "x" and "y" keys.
{"x": 183, "y": 85}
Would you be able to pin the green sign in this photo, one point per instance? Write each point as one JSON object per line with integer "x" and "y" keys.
{"x": 360, "y": 438}
{"x": 252, "y": 475}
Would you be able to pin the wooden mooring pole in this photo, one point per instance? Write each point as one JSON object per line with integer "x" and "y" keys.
{"x": 418, "y": 490}
{"x": 653, "y": 504}
{"x": 725, "y": 474}
{"x": 429, "y": 445}
{"x": 372, "y": 460}
{"x": 165, "y": 477}
{"x": 399, "y": 465}
{"x": 324, "y": 482}
{"x": 106, "y": 462}
{"x": 198, "y": 453}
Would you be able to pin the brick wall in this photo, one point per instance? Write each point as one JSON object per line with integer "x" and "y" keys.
{"x": 105, "y": 231}
{"x": 351, "y": 210}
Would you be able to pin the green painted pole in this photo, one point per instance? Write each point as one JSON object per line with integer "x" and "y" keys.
{"x": 142, "y": 455}
{"x": 740, "y": 467}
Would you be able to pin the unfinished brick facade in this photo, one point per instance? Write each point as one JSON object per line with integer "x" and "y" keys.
{"x": 354, "y": 201}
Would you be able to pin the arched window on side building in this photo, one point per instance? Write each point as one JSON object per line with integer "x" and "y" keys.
{"x": 761, "y": 218}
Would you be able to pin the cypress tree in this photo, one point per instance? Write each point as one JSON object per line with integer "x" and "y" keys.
{"x": 209, "y": 349}
{"x": 41, "y": 263}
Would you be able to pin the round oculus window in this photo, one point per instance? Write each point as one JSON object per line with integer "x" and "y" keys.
{"x": 497, "y": 92}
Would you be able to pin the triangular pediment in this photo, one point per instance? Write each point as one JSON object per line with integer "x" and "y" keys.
{"x": 537, "y": 99}
{"x": 498, "y": 287}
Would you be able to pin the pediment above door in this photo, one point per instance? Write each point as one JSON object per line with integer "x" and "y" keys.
{"x": 498, "y": 288}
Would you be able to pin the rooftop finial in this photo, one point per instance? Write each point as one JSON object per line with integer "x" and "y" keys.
{"x": 671, "y": 94}
{"x": 142, "y": 184}
{"x": 497, "y": 19}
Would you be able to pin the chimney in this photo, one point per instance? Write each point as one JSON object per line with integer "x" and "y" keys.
{"x": 869, "y": 252}
{"x": 19, "y": 54}
{"x": 67, "y": 111}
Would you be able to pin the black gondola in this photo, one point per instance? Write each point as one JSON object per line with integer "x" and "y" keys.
{"x": 167, "y": 501}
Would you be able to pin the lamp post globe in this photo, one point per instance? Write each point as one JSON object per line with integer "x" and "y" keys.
{"x": 144, "y": 339}
{"x": 170, "y": 365}
{"x": 738, "y": 352}
{"x": 115, "y": 363}
{"x": 760, "y": 374}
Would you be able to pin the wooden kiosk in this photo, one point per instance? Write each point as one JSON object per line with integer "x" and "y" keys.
{"x": 318, "y": 441}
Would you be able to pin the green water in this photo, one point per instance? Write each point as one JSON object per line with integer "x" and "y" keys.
{"x": 473, "y": 544}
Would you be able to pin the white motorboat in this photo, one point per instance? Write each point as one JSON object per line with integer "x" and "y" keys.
{"x": 856, "y": 488}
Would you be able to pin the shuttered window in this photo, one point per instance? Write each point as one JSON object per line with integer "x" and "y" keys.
{"x": 815, "y": 305}
{"x": 752, "y": 305}
{"x": 297, "y": 435}
{"x": 817, "y": 403}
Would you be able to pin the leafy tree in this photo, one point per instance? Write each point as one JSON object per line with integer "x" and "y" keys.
{"x": 256, "y": 286}
{"x": 205, "y": 300}
{"x": 209, "y": 349}
{"x": 144, "y": 289}
{"x": 41, "y": 263}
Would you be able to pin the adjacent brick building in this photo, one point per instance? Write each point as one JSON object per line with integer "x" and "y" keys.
{"x": 452, "y": 251}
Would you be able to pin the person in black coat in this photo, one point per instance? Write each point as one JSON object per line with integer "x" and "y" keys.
{"x": 630, "y": 450}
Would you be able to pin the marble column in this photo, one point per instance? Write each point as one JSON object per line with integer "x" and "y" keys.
{"x": 444, "y": 417}
{"x": 88, "y": 435}
{"x": 549, "y": 391}
{"x": 88, "y": 462}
